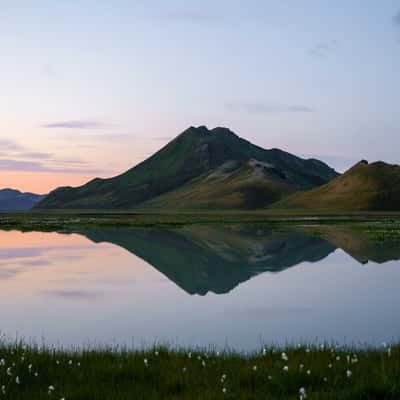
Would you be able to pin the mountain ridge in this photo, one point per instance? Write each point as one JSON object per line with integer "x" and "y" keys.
{"x": 15, "y": 200}
{"x": 192, "y": 154}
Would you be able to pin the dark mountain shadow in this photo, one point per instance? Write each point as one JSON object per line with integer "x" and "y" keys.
{"x": 202, "y": 259}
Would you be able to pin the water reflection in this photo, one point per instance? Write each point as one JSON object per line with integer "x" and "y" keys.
{"x": 193, "y": 286}
{"x": 202, "y": 259}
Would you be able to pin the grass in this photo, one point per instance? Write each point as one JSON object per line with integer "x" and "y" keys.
{"x": 59, "y": 220}
{"x": 162, "y": 373}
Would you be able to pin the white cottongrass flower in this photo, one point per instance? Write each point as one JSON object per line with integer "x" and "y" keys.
{"x": 303, "y": 393}
{"x": 308, "y": 372}
{"x": 184, "y": 369}
{"x": 255, "y": 368}
{"x": 8, "y": 371}
{"x": 17, "y": 380}
{"x": 51, "y": 389}
{"x": 301, "y": 366}
{"x": 224, "y": 390}
{"x": 329, "y": 365}
{"x": 146, "y": 362}
{"x": 70, "y": 362}
{"x": 3, "y": 389}
{"x": 203, "y": 363}
{"x": 325, "y": 379}
{"x": 348, "y": 359}
{"x": 307, "y": 350}
{"x": 36, "y": 374}
{"x": 337, "y": 358}
{"x": 190, "y": 355}
{"x": 389, "y": 351}
{"x": 2, "y": 362}
{"x": 156, "y": 353}
{"x": 285, "y": 368}
{"x": 284, "y": 357}
{"x": 349, "y": 373}
{"x": 269, "y": 377}
{"x": 264, "y": 352}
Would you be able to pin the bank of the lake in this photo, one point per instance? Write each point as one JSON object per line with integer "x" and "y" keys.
{"x": 315, "y": 372}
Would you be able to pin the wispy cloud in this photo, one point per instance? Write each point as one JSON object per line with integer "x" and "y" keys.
{"x": 197, "y": 17}
{"x": 77, "y": 124}
{"x": 35, "y": 166}
{"x": 10, "y": 145}
{"x": 322, "y": 49}
{"x": 396, "y": 19}
{"x": 264, "y": 109}
{"x": 36, "y": 155}
{"x": 163, "y": 138}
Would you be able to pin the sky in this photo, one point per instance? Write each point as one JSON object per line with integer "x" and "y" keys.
{"x": 91, "y": 88}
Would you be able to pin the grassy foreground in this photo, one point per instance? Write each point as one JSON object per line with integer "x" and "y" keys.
{"x": 323, "y": 372}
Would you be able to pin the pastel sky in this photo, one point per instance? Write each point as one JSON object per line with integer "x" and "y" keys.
{"x": 91, "y": 88}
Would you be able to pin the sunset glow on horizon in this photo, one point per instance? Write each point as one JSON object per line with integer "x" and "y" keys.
{"x": 91, "y": 89}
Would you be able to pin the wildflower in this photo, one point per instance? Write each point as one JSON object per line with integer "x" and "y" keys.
{"x": 338, "y": 358}
{"x": 190, "y": 355}
{"x": 307, "y": 350}
{"x": 30, "y": 367}
{"x": 348, "y": 359}
{"x": 303, "y": 394}
{"x": 2, "y": 362}
{"x": 325, "y": 379}
{"x": 70, "y": 362}
{"x": 146, "y": 362}
{"x": 224, "y": 390}
{"x": 36, "y": 374}
{"x": 329, "y": 365}
{"x": 51, "y": 389}
{"x": 269, "y": 377}
{"x": 156, "y": 353}
{"x": 349, "y": 373}
{"x": 203, "y": 363}
{"x": 223, "y": 377}
{"x": 301, "y": 366}
{"x": 3, "y": 389}
{"x": 389, "y": 352}
{"x": 184, "y": 369}
{"x": 79, "y": 364}
{"x": 308, "y": 372}
{"x": 57, "y": 362}
{"x": 285, "y": 368}
{"x": 284, "y": 357}
{"x": 264, "y": 351}
{"x": 255, "y": 368}
{"x": 17, "y": 380}
{"x": 8, "y": 371}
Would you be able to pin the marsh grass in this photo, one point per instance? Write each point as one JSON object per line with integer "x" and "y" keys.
{"x": 166, "y": 373}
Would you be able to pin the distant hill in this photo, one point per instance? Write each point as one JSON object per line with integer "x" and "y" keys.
{"x": 367, "y": 187}
{"x": 195, "y": 158}
{"x": 14, "y": 200}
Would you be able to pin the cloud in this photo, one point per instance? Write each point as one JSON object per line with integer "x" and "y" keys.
{"x": 191, "y": 17}
{"x": 396, "y": 19}
{"x": 35, "y": 166}
{"x": 74, "y": 294}
{"x": 36, "y": 155}
{"x": 10, "y": 145}
{"x": 76, "y": 124}
{"x": 264, "y": 109}
{"x": 322, "y": 49}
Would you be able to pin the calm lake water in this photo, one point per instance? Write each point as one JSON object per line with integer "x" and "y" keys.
{"x": 237, "y": 286}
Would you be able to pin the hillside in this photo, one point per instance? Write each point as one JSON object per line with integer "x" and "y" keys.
{"x": 366, "y": 187}
{"x": 231, "y": 186}
{"x": 194, "y": 153}
{"x": 14, "y": 200}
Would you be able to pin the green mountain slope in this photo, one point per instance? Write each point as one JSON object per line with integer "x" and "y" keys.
{"x": 195, "y": 152}
{"x": 233, "y": 185}
{"x": 365, "y": 186}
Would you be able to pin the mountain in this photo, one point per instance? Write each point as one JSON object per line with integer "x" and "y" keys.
{"x": 197, "y": 153}
{"x": 14, "y": 200}
{"x": 206, "y": 258}
{"x": 366, "y": 187}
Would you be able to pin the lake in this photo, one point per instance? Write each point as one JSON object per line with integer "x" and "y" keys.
{"x": 239, "y": 286}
